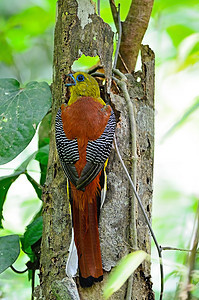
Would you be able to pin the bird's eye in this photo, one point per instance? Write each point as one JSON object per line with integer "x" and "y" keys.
{"x": 80, "y": 77}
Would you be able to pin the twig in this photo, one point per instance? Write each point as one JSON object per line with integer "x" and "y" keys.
{"x": 93, "y": 70}
{"x": 176, "y": 249}
{"x": 119, "y": 37}
{"x": 98, "y": 7}
{"x": 18, "y": 272}
{"x": 122, "y": 84}
{"x": 98, "y": 74}
{"x": 114, "y": 13}
{"x": 118, "y": 25}
{"x": 125, "y": 66}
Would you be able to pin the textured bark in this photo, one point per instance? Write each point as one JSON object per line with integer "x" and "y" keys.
{"x": 74, "y": 37}
{"x": 142, "y": 94}
{"x": 78, "y": 30}
{"x": 133, "y": 30}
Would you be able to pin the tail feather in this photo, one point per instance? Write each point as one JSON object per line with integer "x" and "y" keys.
{"x": 72, "y": 262}
{"x": 85, "y": 222}
{"x": 87, "y": 282}
{"x": 87, "y": 243}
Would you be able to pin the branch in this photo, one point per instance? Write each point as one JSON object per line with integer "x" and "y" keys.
{"x": 114, "y": 13}
{"x": 118, "y": 25}
{"x": 119, "y": 30}
{"x": 98, "y": 7}
{"x": 177, "y": 249}
{"x": 133, "y": 30}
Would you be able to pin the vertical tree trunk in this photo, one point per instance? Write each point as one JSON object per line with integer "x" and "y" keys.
{"x": 79, "y": 30}
{"x": 144, "y": 114}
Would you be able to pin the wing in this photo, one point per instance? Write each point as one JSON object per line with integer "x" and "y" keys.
{"x": 97, "y": 153}
{"x": 67, "y": 150}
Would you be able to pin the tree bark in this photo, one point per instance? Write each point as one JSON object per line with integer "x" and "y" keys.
{"x": 79, "y": 30}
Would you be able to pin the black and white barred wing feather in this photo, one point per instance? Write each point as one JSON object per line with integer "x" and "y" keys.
{"x": 67, "y": 150}
{"x": 97, "y": 153}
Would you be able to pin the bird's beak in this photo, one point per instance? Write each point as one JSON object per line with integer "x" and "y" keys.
{"x": 73, "y": 80}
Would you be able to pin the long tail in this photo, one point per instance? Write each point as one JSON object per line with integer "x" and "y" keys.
{"x": 85, "y": 222}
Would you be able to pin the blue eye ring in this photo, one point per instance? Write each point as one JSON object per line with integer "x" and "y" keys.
{"x": 80, "y": 77}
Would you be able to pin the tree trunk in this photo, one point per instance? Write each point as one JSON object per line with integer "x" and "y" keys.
{"x": 79, "y": 30}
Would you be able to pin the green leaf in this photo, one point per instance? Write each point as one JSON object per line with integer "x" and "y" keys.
{"x": 188, "y": 53}
{"x": 28, "y": 250}
{"x": 178, "y": 33}
{"x": 21, "y": 110}
{"x": 32, "y": 234}
{"x": 183, "y": 119}
{"x": 28, "y": 22}
{"x": 172, "y": 6}
{"x": 9, "y": 251}
{"x": 44, "y": 131}
{"x": 122, "y": 271}
{"x": 5, "y": 50}
{"x": 18, "y": 39}
{"x": 42, "y": 155}
{"x": 23, "y": 167}
{"x": 6, "y": 181}
{"x": 36, "y": 186}
{"x": 44, "y": 138}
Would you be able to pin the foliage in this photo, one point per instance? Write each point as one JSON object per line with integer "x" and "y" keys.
{"x": 6, "y": 182}
{"x": 192, "y": 108}
{"x": 24, "y": 29}
{"x": 27, "y": 39}
{"x": 32, "y": 234}
{"x": 9, "y": 251}
{"x": 26, "y": 55}
{"x": 21, "y": 110}
{"x": 122, "y": 271}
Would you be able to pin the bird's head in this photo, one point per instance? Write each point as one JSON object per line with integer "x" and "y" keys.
{"x": 82, "y": 85}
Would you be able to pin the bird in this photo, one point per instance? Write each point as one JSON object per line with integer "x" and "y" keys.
{"x": 84, "y": 132}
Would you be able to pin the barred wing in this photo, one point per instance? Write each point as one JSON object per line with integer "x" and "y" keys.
{"x": 67, "y": 150}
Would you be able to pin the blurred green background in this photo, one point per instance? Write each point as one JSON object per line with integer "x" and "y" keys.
{"x": 26, "y": 51}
